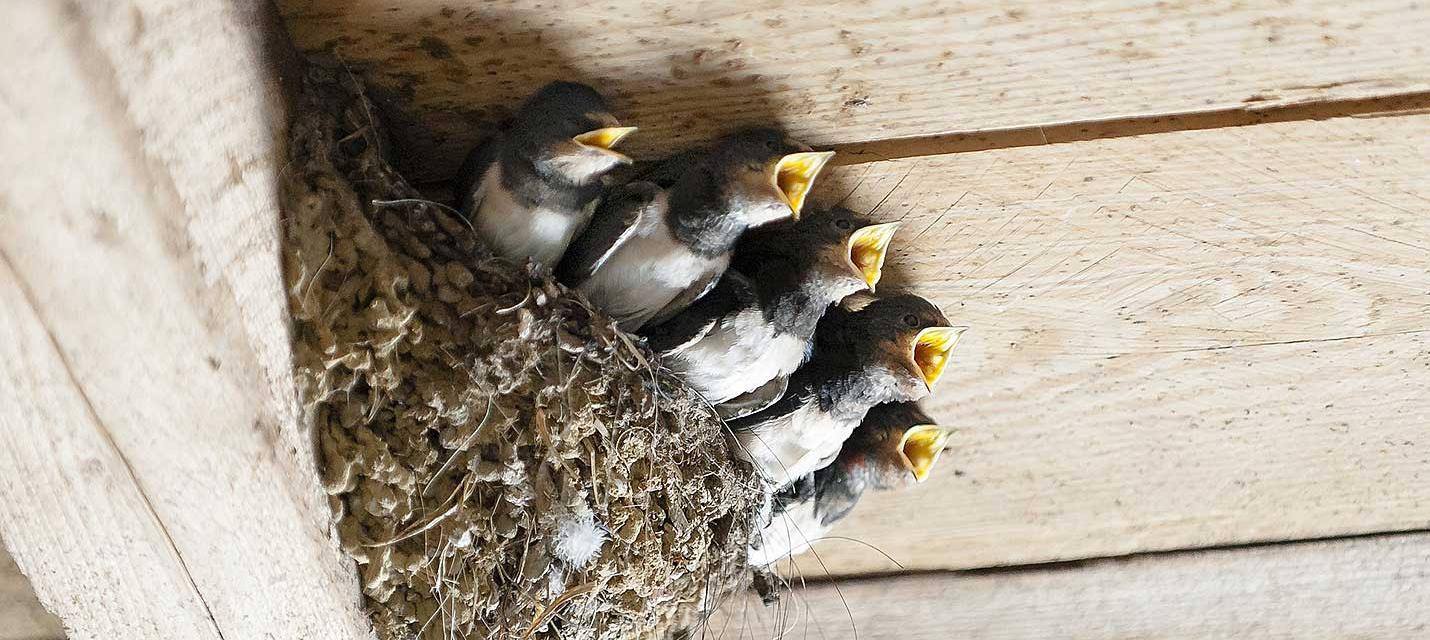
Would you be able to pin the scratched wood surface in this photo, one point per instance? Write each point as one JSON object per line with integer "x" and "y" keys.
{"x": 1367, "y": 588}
{"x": 838, "y": 72}
{"x": 154, "y": 482}
{"x": 1178, "y": 340}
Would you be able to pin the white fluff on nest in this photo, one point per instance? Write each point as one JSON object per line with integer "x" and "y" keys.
{"x": 578, "y": 536}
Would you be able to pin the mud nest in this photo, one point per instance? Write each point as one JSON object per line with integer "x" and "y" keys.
{"x": 502, "y": 461}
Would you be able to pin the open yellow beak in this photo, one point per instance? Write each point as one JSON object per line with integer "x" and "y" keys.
{"x": 605, "y": 139}
{"x": 920, "y": 448}
{"x": 867, "y": 248}
{"x": 794, "y": 176}
{"x": 931, "y": 350}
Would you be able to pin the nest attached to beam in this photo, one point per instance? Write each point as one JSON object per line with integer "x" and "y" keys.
{"x": 502, "y": 461}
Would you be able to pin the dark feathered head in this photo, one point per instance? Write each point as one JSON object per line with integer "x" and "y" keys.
{"x": 761, "y": 174}
{"x": 835, "y": 246}
{"x": 566, "y": 128}
{"x": 902, "y": 331}
{"x": 896, "y": 445}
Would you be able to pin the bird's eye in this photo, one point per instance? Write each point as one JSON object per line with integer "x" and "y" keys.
{"x": 911, "y": 320}
{"x": 843, "y": 224}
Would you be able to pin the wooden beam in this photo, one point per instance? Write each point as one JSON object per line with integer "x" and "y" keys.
{"x": 1368, "y": 588}
{"x": 156, "y": 483}
{"x": 1179, "y": 340}
{"x": 855, "y": 71}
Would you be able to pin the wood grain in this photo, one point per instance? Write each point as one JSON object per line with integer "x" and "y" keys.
{"x": 853, "y": 71}
{"x": 156, "y": 482}
{"x": 1365, "y": 588}
{"x": 1178, "y": 341}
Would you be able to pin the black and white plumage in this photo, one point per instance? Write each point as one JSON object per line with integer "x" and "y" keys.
{"x": 892, "y": 349}
{"x": 650, "y": 252}
{"x": 896, "y": 445}
{"x": 531, "y": 188}
{"x": 739, "y": 344}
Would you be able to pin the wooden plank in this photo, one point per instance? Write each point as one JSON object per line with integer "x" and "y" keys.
{"x": 66, "y": 488}
{"x": 156, "y": 482}
{"x": 21, "y": 616}
{"x": 1362, "y": 588}
{"x": 853, "y": 71}
{"x": 1178, "y": 340}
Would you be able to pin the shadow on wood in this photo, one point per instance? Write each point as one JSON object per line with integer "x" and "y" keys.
{"x": 446, "y": 77}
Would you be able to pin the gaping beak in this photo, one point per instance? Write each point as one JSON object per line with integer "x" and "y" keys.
{"x": 794, "y": 175}
{"x": 605, "y": 140}
{"x": 931, "y": 349}
{"x": 867, "y": 248}
{"x": 921, "y": 447}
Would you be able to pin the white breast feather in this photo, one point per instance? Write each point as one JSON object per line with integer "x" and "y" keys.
{"x": 578, "y": 537}
{"x": 646, "y": 273}
{"x": 518, "y": 232}
{"x": 787, "y": 448}
{"x": 787, "y": 534}
{"x": 737, "y": 356}
{"x": 784, "y": 449}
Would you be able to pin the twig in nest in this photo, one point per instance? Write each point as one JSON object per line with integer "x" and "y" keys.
{"x": 468, "y": 313}
{"x": 322, "y": 265}
{"x": 360, "y": 131}
{"x": 621, "y": 359}
{"x": 877, "y": 550}
{"x": 432, "y": 523}
{"x": 508, "y": 310}
{"x": 376, "y": 399}
{"x": 384, "y": 203}
{"x": 465, "y": 488}
{"x": 442, "y": 599}
{"x": 544, "y": 614}
{"x": 366, "y": 106}
{"x": 461, "y": 449}
{"x": 853, "y": 628}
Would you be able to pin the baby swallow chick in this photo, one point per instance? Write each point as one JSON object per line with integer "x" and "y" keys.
{"x": 893, "y": 349}
{"x": 896, "y": 445}
{"x": 650, "y": 252}
{"x": 529, "y": 190}
{"x": 739, "y": 344}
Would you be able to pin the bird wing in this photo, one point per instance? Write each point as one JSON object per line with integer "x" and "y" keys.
{"x": 689, "y": 296}
{"x": 801, "y": 490}
{"x": 755, "y": 401}
{"x": 666, "y": 171}
{"x": 468, "y": 181}
{"x": 792, "y": 527}
{"x": 782, "y": 408}
{"x": 734, "y": 291}
{"x": 614, "y": 222}
{"x": 836, "y": 492}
